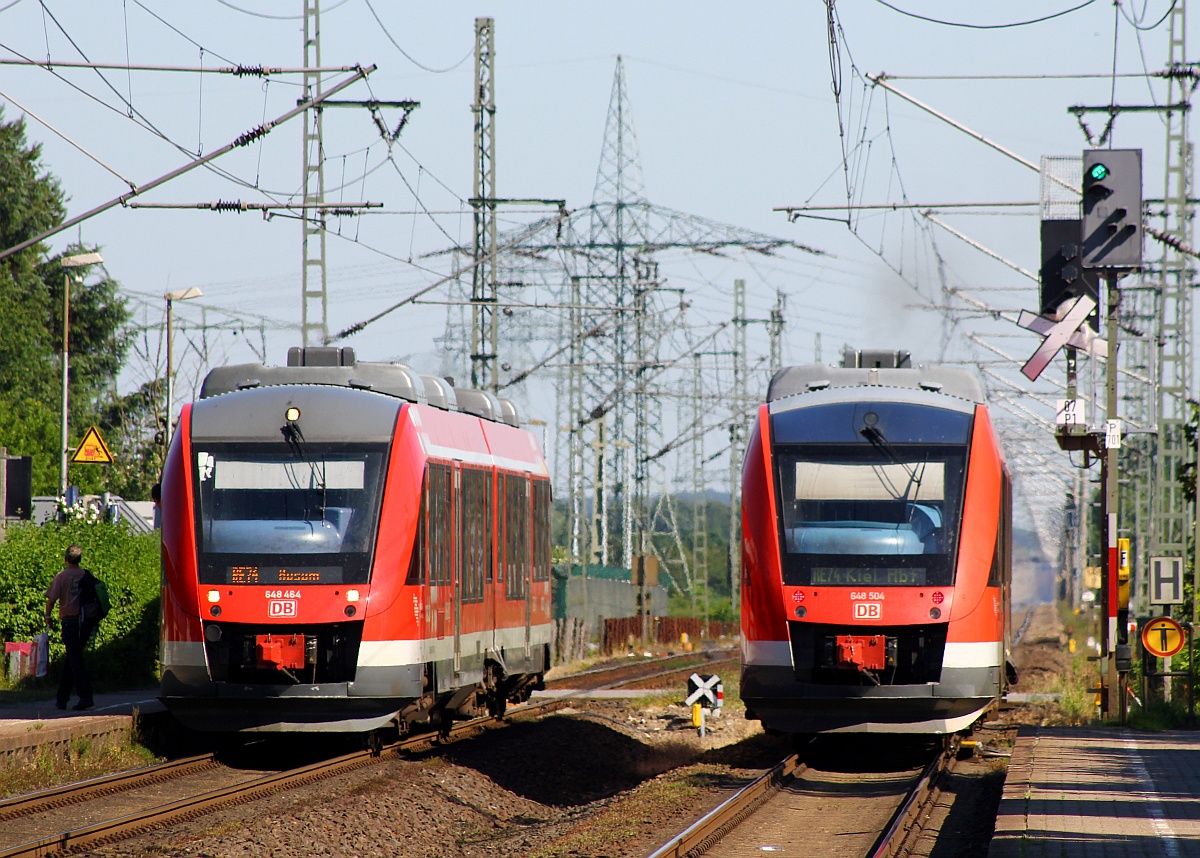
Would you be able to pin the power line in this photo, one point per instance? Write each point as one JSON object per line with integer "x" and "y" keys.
{"x": 235, "y": 70}
{"x": 406, "y": 54}
{"x": 986, "y": 26}
{"x": 243, "y": 140}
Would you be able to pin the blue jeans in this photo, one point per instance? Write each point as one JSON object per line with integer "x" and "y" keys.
{"x": 75, "y": 637}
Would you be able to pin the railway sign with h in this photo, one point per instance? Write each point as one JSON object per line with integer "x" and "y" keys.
{"x": 1166, "y": 580}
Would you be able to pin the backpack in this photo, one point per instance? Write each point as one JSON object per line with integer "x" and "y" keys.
{"x": 94, "y": 604}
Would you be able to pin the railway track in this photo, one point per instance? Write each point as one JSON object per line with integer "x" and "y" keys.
{"x": 614, "y": 676}
{"x": 798, "y": 809}
{"x": 121, "y": 805}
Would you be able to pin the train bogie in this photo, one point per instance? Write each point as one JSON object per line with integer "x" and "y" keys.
{"x": 349, "y": 545}
{"x": 875, "y": 551}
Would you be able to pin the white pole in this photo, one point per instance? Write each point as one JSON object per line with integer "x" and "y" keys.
{"x": 66, "y": 360}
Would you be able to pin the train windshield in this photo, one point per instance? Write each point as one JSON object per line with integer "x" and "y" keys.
{"x": 870, "y": 494}
{"x": 286, "y": 516}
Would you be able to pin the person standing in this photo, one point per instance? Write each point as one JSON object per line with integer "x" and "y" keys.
{"x": 65, "y": 589}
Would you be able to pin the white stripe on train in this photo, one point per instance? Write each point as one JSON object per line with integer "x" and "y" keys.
{"x": 979, "y": 654}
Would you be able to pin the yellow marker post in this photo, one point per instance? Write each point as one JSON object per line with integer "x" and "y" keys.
{"x": 1123, "y": 569}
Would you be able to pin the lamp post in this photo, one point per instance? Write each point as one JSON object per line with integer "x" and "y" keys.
{"x": 172, "y": 297}
{"x": 77, "y": 261}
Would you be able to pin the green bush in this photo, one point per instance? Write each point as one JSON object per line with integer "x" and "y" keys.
{"x": 124, "y": 651}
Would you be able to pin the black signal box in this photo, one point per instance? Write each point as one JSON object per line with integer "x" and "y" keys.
{"x": 1112, "y": 208}
{"x": 1062, "y": 275}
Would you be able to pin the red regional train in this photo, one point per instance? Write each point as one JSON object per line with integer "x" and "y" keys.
{"x": 876, "y": 550}
{"x": 348, "y": 546}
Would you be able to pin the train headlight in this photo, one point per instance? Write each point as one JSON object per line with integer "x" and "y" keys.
{"x": 935, "y": 613}
{"x": 292, "y": 414}
{"x": 215, "y": 610}
{"x": 350, "y": 610}
{"x": 351, "y": 595}
{"x": 214, "y": 596}
{"x": 797, "y": 596}
{"x": 801, "y": 611}
{"x": 939, "y": 597}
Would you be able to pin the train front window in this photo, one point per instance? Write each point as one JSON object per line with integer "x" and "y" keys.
{"x": 274, "y": 516}
{"x": 858, "y": 509}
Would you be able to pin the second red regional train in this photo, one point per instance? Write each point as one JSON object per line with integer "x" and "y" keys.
{"x": 348, "y": 546}
{"x": 876, "y": 550}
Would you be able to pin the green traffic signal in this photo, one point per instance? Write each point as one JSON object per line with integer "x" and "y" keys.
{"x": 1098, "y": 173}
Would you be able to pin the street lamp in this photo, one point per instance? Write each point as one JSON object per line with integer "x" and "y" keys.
{"x": 77, "y": 261}
{"x": 178, "y": 295}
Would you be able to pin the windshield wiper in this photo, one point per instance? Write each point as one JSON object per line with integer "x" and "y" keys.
{"x": 880, "y": 443}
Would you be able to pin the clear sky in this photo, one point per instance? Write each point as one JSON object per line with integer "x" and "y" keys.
{"x": 735, "y": 112}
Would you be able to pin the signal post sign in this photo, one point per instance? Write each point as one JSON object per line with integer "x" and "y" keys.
{"x": 1163, "y": 637}
{"x": 92, "y": 450}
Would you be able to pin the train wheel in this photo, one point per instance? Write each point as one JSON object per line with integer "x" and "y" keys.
{"x": 373, "y": 742}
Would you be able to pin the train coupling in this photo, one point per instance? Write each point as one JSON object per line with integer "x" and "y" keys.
{"x": 282, "y": 652}
{"x": 863, "y": 652}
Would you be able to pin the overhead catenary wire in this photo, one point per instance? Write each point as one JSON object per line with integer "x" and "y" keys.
{"x": 1005, "y": 26}
{"x": 409, "y": 56}
{"x": 458, "y": 272}
{"x": 235, "y": 70}
{"x": 77, "y": 146}
{"x": 242, "y": 140}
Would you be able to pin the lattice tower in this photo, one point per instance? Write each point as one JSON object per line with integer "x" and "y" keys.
{"x": 314, "y": 299}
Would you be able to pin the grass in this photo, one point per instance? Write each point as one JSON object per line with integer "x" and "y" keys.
{"x": 652, "y": 806}
{"x": 52, "y": 765}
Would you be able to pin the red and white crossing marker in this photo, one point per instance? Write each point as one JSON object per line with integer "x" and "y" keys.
{"x": 1059, "y": 333}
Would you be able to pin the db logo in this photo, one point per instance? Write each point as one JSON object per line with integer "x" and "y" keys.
{"x": 282, "y": 607}
{"x": 868, "y": 611}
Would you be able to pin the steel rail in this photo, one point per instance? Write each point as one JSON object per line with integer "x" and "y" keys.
{"x": 702, "y": 834}
{"x": 904, "y": 820}
{"x": 667, "y": 672}
{"x": 705, "y": 832}
{"x": 250, "y": 790}
{"x": 142, "y": 820}
{"x": 193, "y": 806}
{"x": 137, "y": 821}
{"x": 74, "y": 793}
{"x": 704, "y": 656}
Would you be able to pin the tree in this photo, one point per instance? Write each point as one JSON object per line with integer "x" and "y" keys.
{"x": 31, "y": 292}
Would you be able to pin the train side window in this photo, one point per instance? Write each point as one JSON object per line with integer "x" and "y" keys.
{"x": 416, "y": 566}
{"x": 472, "y": 535}
{"x": 541, "y": 531}
{"x": 465, "y": 519}
{"x": 501, "y": 526}
{"x": 1000, "y": 559}
{"x": 441, "y": 521}
{"x": 516, "y": 512}
{"x": 489, "y": 529}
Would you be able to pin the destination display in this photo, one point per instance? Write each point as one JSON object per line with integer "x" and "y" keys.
{"x": 250, "y": 574}
{"x": 877, "y": 576}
